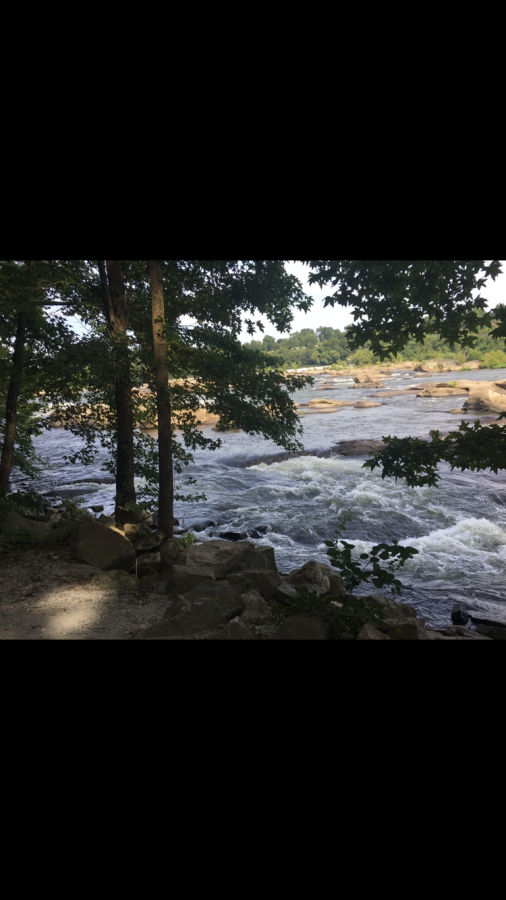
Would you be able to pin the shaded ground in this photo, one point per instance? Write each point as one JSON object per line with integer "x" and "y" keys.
{"x": 53, "y": 597}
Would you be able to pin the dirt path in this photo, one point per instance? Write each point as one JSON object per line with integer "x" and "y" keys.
{"x": 54, "y": 597}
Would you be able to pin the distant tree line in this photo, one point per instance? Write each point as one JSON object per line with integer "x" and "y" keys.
{"x": 330, "y": 346}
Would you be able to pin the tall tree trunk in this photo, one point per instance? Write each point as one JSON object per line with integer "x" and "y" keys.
{"x": 166, "y": 472}
{"x": 11, "y": 411}
{"x": 113, "y": 290}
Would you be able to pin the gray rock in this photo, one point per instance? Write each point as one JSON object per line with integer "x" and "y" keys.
{"x": 182, "y": 579}
{"x": 256, "y": 610}
{"x": 233, "y": 535}
{"x": 14, "y": 520}
{"x": 369, "y": 633}
{"x": 409, "y": 630}
{"x": 497, "y": 634}
{"x": 223, "y": 557}
{"x": 258, "y": 558}
{"x": 263, "y": 581}
{"x": 460, "y": 633}
{"x": 229, "y": 599}
{"x": 149, "y": 559}
{"x": 476, "y": 619}
{"x": 101, "y": 546}
{"x": 115, "y": 579}
{"x": 236, "y": 630}
{"x": 170, "y": 551}
{"x": 108, "y": 521}
{"x": 310, "y": 574}
{"x": 97, "y": 509}
{"x": 150, "y": 543}
{"x": 285, "y": 592}
{"x": 137, "y": 533}
{"x": 185, "y": 618}
{"x": 160, "y": 587}
{"x": 304, "y": 627}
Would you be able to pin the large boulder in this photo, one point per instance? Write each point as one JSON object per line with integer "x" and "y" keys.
{"x": 486, "y": 399}
{"x": 15, "y": 520}
{"x": 317, "y": 574}
{"x": 186, "y": 618}
{"x": 261, "y": 580}
{"x": 441, "y": 365}
{"x": 366, "y": 404}
{"x": 101, "y": 546}
{"x": 182, "y": 579}
{"x": 220, "y": 556}
{"x": 230, "y": 599}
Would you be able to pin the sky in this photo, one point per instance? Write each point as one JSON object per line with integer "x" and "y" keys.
{"x": 320, "y": 316}
{"x": 339, "y": 317}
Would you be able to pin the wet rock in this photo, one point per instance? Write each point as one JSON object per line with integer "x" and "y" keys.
{"x": 478, "y": 619}
{"x": 459, "y": 616}
{"x": 263, "y": 529}
{"x": 358, "y": 447}
{"x": 233, "y": 535}
{"x": 97, "y": 509}
{"x": 203, "y": 526}
{"x": 497, "y": 634}
{"x": 366, "y": 404}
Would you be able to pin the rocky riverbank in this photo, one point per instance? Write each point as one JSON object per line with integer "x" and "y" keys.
{"x": 110, "y": 583}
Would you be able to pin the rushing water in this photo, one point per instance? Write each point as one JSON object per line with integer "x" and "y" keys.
{"x": 459, "y": 527}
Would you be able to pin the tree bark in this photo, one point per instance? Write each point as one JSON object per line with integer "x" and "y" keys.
{"x": 112, "y": 279}
{"x": 11, "y": 411}
{"x": 163, "y": 404}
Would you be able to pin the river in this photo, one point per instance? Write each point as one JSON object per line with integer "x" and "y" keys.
{"x": 459, "y": 527}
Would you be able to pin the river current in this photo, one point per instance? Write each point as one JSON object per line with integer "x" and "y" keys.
{"x": 459, "y": 527}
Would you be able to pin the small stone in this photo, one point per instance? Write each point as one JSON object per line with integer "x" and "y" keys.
{"x": 97, "y": 509}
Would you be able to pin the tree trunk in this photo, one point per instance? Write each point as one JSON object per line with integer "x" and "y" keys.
{"x": 11, "y": 410}
{"x": 166, "y": 472}
{"x": 114, "y": 296}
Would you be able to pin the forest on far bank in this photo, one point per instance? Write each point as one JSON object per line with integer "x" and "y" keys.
{"x": 329, "y": 346}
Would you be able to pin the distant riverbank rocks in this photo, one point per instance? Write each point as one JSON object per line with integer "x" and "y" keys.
{"x": 480, "y": 395}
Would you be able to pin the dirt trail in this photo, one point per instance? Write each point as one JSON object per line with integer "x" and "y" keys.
{"x": 52, "y": 596}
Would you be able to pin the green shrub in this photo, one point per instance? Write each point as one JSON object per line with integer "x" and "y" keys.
{"x": 496, "y": 359}
{"x": 188, "y": 539}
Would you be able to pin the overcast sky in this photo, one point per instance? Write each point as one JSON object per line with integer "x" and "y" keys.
{"x": 339, "y": 317}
